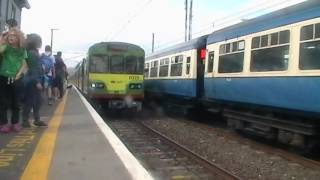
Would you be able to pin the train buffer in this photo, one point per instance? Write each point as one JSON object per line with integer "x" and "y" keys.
{"x": 77, "y": 144}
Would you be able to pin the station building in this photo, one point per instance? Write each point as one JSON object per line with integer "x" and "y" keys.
{"x": 11, "y": 9}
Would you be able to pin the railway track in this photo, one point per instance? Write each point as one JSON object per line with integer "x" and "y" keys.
{"x": 274, "y": 151}
{"x": 165, "y": 158}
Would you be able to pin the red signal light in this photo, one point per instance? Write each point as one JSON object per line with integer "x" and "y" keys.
{"x": 203, "y": 53}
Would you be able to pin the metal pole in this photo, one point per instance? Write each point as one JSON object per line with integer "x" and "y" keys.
{"x": 186, "y": 22}
{"x": 190, "y": 21}
{"x": 51, "y": 43}
{"x": 51, "y": 38}
{"x": 152, "y": 42}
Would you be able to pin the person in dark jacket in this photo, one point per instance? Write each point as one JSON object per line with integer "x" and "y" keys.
{"x": 33, "y": 79}
{"x": 60, "y": 70}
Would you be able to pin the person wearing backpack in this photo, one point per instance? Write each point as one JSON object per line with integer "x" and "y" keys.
{"x": 47, "y": 63}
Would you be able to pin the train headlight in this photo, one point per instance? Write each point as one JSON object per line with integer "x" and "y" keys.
{"x": 135, "y": 86}
{"x": 97, "y": 85}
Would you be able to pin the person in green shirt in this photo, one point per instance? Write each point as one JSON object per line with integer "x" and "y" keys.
{"x": 11, "y": 70}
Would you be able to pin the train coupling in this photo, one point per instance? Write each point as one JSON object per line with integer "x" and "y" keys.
{"x": 122, "y": 104}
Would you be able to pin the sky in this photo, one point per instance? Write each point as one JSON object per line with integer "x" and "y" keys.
{"x": 80, "y": 24}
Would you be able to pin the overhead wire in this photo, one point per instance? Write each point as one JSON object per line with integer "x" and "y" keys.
{"x": 264, "y": 6}
{"x": 131, "y": 19}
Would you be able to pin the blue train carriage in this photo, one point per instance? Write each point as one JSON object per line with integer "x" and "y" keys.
{"x": 174, "y": 76}
{"x": 269, "y": 64}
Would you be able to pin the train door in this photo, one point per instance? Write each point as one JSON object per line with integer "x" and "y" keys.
{"x": 201, "y": 54}
{"x": 86, "y": 75}
{"x": 82, "y": 74}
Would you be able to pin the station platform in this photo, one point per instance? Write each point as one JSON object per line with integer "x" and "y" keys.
{"x": 77, "y": 144}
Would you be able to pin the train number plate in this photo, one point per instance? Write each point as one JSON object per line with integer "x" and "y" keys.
{"x": 133, "y": 77}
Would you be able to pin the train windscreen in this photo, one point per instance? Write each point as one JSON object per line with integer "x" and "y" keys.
{"x": 134, "y": 65}
{"x": 99, "y": 64}
{"x": 117, "y": 64}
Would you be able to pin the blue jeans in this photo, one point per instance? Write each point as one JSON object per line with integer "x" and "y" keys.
{"x": 32, "y": 98}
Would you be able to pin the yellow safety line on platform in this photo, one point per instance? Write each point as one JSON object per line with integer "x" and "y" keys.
{"x": 38, "y": 166}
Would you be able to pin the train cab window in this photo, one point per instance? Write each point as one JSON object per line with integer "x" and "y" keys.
{"x": 176, "y": 65}
{"x": 188, "y": 65}
{"x": 164, "y": 67}
{"x": 154, "y": 69}
{"x": 210, "y": 62}
{"x": 117, "y": 64}
{"x": 230, "y": 62}
{"x": 134, "y": 65}
{"x": 146, "y": 70}
{"x": 306, "y": 33}
{"x": 310, "y": 50}
{"x": 98, "y": 64}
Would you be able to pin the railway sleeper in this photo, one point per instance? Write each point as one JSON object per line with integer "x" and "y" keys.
{"x": 299, "y": 135}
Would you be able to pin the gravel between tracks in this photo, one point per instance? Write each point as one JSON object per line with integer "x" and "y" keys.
{"x": 239, "y": 159}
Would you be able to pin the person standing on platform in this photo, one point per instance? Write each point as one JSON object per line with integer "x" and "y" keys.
{"x": 33, "y": 79}
{"x": 11, "y": 70}
{"x": 48, "y": 61}
{"x": 60, "y": 69}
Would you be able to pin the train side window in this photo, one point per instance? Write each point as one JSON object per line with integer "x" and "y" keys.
{"x": 154, "y": 69}
{"x": 222, "y": 49}
{"x": 228, "y": 48}
{"x": 234, "y": 46}
{"x": 256, "y": 42}
{"x": 146, "y": 70}
{"x": 306, "y": 33}
{"x": 264, "y": 41}
{"x": 274, "y": 39}
{"x": 188, "y": 65}
{"x": 164, "y": 67}
{"x": 310, "y": 50}
{"x": 241, "y": 45}
{"x": 309, "y": 55}
{"x": 270, "y": 59}
{"x": 231, "y": 63}
{"x": 210, "y": 62}
{"x": 176, "y": 67}
{"x": 284, "y": 37}
{"x": 317, "y": 33}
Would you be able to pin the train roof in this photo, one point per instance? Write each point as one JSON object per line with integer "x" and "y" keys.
{"x": 103, "y": 46}
{"x": 192, "y": 44}
{"x": 299, "y": 12}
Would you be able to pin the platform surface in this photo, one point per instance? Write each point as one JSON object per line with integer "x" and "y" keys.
{"x": 77, "y": 145}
